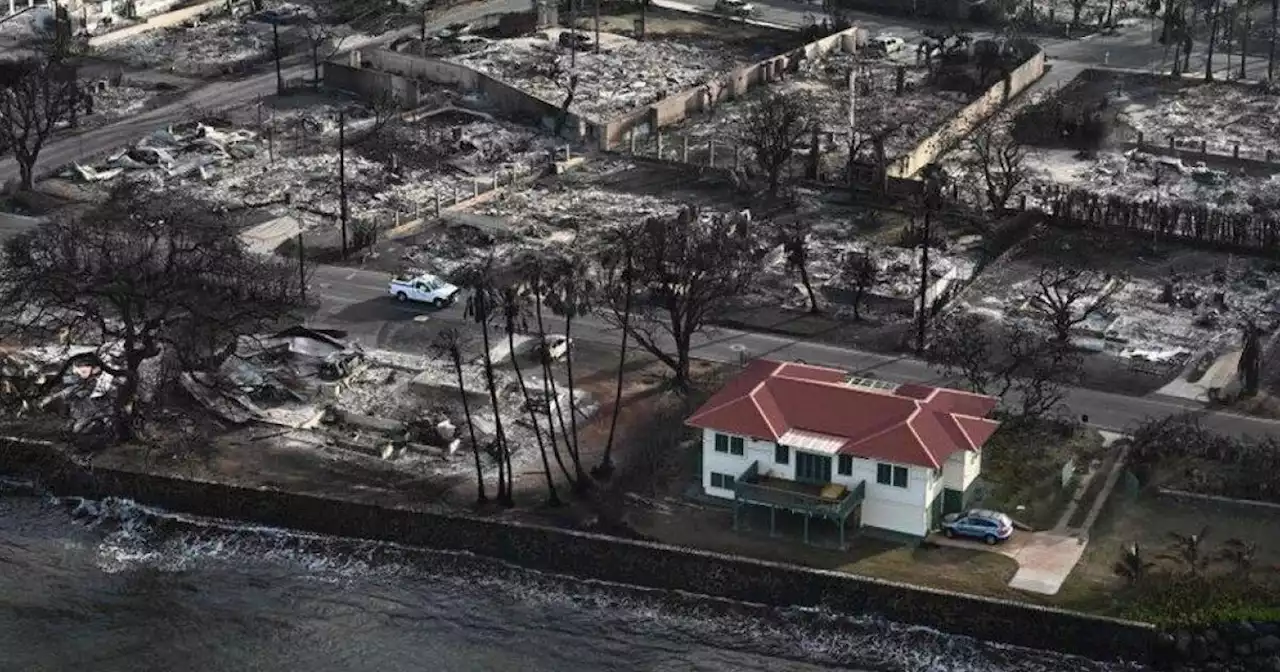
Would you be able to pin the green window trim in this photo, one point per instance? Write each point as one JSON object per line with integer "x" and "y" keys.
{"x": 845, "y": 465}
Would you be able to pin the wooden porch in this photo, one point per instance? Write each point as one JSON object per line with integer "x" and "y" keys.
{"x": 829, "y": 501}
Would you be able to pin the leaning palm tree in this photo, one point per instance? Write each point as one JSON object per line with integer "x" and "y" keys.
{"x": 617, "y": 265}
{"x": 449, "y": 343}
{"x": 481, "y": 307}
{"x": 571, "y": 297}
{"x": 1189, "y": 551}
{"x": 534, "y": 268}
{"x": 514, "y": 299}
{"x": 1133, "y": 565}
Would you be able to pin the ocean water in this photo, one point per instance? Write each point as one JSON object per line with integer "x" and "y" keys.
{"x": 111, "y": 586}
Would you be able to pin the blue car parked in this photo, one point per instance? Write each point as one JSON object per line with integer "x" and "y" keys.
{"x": 989, "y": 526}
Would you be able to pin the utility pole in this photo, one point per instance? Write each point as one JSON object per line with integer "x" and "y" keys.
{"x": 302, "y": 267}
{"x": 342, "y": 178}
{"x": 923, "y": 316}
{"x": 932, "y": 202}
{"x": 597, "y": 26}
{"x": 275, "y": 40}
{"x": 573, "y": 29}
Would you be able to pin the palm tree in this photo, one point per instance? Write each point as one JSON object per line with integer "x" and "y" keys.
{"x": 619, "y": 277}
{"x": 514, "y": 303}
{"x": 481, "y": 304}
{"x": 449, "y": 342}
{"x": 1214, "y": 14}
{"x": 1241, "y": 554}
{"x": 1189, "y": 551}
{"x": 570, "y": 297}
{"x": 535, "y": 268}
{"x": 1133, "y": 565}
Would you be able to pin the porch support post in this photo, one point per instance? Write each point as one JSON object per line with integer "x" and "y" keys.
{"x": 806, "y": 529}
{"x": 773, "y": 521}
{"x": 737, "y": 503}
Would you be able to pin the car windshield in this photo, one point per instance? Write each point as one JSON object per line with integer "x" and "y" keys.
{"x": 429, "y": 284}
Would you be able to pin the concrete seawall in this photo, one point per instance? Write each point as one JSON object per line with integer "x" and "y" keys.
{"x": 598, "y": 557}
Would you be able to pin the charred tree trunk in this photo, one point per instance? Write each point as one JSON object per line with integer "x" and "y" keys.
{"x": 481, "y": 497}
{"x": 553, "y": 497}
{"x": 582, "y": 483}
{"x": 505, "y": 497}
{"x": 1213, "y": 39}
{"x": 605, "y": 469}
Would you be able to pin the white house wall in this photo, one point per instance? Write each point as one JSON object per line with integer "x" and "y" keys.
{"x": 903, "y": 510}
{"x": 734, "y": 465}
{"x": 887, "y": 507}
{"x": 960, "y": 470}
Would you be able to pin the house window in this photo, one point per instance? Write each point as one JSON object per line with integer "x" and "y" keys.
{"x": 729, "y": 444}
{"x": 781, "y": 454}
{"x": 845, "y": 465}
{"x": 887, "y": 474}
{"x": 721, "y": 481}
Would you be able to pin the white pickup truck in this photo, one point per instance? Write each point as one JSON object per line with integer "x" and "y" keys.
{"x": 423, "y": 288}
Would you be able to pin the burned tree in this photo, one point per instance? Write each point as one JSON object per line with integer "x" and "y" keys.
{"x": 1065, "y": 296}
{"x": 448, "y": 342}
{"x": 774, "y": 128}
{"x": 324, "y": 34}
{"x": 483, "y": 307}
{"x": 860, "y": 274}
{"x": 1012, "y": 361}
{"x": 37, "y": 95}
{"x": 793, "y": 236}
{"x": 1251, "y": 360}
{"x": 688, "y": 268}
{"x": 142, "y": 275}
{"x": 1001, "y": 161}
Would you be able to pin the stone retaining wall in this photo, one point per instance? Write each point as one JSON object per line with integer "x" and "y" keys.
{"x": 599, "y": 557}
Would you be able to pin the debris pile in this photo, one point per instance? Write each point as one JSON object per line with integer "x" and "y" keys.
{"x": 398, "y": 167}
{"x": 1221, "y": 115}
{"x": 579, "y": 203}
{"x": 207, "y": 46}
{"x": 1160, "y": 318}
{"x": 624, "y": 75}
{"x": 902, "y": 119}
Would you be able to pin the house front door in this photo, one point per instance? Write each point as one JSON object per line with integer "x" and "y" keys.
{"x": 812, "y": 468}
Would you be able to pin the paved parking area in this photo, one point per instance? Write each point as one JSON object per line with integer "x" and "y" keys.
{"x": 1045, "y": 559}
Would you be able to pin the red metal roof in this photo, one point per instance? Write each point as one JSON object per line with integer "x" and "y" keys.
{"x": 912, "y": 424}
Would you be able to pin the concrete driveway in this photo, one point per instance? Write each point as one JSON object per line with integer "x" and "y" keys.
{"x": 1045, "y": 559}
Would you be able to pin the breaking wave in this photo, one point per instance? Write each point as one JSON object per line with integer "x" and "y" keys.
{"x": 135, "y": 536}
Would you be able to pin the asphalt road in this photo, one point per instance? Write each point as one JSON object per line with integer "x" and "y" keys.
{"x": 358, "y": 302}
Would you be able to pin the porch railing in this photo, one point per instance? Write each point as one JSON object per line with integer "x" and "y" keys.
{"x": 748, "y": 489}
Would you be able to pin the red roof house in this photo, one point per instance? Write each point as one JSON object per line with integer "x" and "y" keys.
{"x": 878, "y": 433}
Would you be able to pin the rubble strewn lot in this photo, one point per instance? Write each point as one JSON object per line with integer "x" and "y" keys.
{"x": 1172, "y": 302}
{"x": 207, "y": 47}
{"x": 293, "y": 158}
{"x": 566, "y": 211}
{"x": 558, "y": 212}
{"x": 624, "y": 75}
{"x": 332, "y": 400}
{"x": 905, "y": 119}
{"x": 1218, "y": 115}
